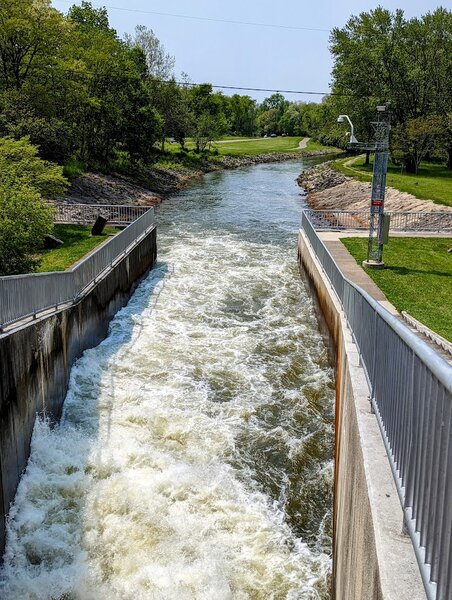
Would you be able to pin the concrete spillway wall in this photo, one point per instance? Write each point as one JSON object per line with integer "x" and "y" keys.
{"x": 36, "y": 360}
{"x": 372, "y": 557}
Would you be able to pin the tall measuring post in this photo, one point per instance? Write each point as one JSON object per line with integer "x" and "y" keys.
{"x": 379, "y": 222}
{"x": 377, "y": 216}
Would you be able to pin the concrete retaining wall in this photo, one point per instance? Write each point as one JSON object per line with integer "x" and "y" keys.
{"x": 372, "y": 558}
{"x": 36, "y": 360}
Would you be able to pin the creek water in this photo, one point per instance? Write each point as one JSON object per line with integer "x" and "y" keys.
{"x": 193, "y": 460}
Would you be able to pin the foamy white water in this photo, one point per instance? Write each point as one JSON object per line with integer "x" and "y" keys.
{"x": 193, "y": 457}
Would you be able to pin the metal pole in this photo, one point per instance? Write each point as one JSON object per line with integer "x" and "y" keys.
{"x": 375, "y": 244}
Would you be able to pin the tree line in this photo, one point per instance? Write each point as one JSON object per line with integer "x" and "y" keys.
{"x": 76, "y": 89}
{"x": 382, "y": 58}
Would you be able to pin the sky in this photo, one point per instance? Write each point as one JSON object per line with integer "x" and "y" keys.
{"x": 233, "y": 54}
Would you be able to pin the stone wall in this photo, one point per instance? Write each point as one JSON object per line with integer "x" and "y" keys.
{"x": 36, "y": 361}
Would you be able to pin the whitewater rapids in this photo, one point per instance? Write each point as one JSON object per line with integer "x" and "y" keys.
{"x": 193, "y": 457}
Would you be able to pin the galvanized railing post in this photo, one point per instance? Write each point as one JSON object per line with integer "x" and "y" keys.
{"x": 411, "y": 392}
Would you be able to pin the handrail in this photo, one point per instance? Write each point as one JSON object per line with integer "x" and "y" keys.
{"x": 411, "y": 393}
{"x": 422, "y": 221}
{"x": 25, "y": 296}
{"x": 86, "y": 214}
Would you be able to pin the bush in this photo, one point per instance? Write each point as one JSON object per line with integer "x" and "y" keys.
{"x": 54, "y": 138}
{"x": 20, "y": 166}
{"x": 24, "y": 221}
{"x": 25, "y": 218}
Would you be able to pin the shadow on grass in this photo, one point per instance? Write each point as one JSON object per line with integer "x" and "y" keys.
{"x": 407, "y": 271}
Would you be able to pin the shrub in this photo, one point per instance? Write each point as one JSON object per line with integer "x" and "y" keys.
{"x": 24, "y": 221}
{"x": 25, "y": 218}
{"x": 20, "y": 166}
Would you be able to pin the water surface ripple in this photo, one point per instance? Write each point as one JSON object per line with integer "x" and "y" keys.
{"x": 193, "y": 459}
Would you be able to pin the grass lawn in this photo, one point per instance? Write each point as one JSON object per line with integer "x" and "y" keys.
{"x": 417, "y": 277}
{"x": 433, "y": 181}
{"x": 267, "y": 145}
{"x": 78, "y": 241}
{"x": 259, "y": 145}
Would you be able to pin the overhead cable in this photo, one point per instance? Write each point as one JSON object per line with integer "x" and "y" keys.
{"x": 209, "y": 19}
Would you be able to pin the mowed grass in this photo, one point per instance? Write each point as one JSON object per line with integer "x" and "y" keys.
{"x": 417, "y": 277}
{"x": 269, "y": 145}
{"x": 432, "y": 182}
{"x": 78, "y": 241}
{"x": 251, "y": 146}
{"x": 258, "y": 146}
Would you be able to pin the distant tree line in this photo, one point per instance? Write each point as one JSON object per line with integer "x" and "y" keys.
{"x": 76, "y": 89}
{"x": 79, "y": 91}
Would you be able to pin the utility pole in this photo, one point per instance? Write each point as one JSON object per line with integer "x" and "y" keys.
{"x": 379, "y": 222}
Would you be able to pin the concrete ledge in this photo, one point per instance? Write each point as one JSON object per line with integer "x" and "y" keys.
{"x": 36, "y": 361}
{"x": 372, "y": 559}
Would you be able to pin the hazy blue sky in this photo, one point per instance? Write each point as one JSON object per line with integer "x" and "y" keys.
{"x": 245, "y": 55}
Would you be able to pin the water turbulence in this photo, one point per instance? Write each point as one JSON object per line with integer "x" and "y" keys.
{"x": 193, "y": 458}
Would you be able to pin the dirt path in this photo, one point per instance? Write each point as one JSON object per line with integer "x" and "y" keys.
{"x": 304, "y": 142}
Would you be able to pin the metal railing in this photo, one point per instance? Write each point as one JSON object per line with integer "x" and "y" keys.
{"x": 24, "y": 296}
{"x": 86, "y": 214}
{"x": 411, "y": 394}
{"x": 434, "y": 221}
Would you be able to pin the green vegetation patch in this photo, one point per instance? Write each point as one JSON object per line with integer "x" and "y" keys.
{"x": 432, "y": 182}
{"x": 246, "y": 147}
{"x": 417, "y": 277}
{"x": 258, "y": 145}
{"x": 78, "y": 241}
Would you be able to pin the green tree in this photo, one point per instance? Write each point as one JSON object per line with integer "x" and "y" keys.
{"x": 18, "y": 119}
{"x": 172, "y": 103}
{"x": 268, "y": 121}
{"x": 275, "y": 101}
{"x": 241, "y": 113}
{"x": 33, "y": 36}
{"x": 89, "y": 18}
{"x": 30, "y": 36}
{"x": 209, "y": 121}
{"x": 383, "y": 58}
{"x": 417, "y": 138}
{"x": 24, "y": 221}
{"x": 108, "y": 99}
{"x": 21, "y": 167}
{"x": 24, "y": 216}
{"x": 291, "y": 121}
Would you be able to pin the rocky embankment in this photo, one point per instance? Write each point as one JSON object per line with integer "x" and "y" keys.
{"x": 148, "y": 188}
{"x": 327, "y": 189}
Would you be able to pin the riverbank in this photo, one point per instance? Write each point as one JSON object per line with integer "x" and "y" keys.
{"x": 328, "y": 189}
{"x": 149, "y": 186}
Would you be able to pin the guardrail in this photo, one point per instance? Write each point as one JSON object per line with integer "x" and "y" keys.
{"x": 26, "y": 296}
{"x": 86, "y": 214}
{"x": 411, "y": 395}
{"x": 434, "y": 221}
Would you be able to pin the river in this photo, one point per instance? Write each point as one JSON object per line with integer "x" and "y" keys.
{"x": 193, "y": 460}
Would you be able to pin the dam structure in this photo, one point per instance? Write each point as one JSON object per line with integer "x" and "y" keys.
{"x": 225, "y": 422}
{"x": 194, "y": 454}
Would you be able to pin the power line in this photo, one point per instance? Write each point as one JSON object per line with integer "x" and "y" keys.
{"x": 209, "y": 19}
{"x": 252, "y": 89}
{"x": 241, "y": 88}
